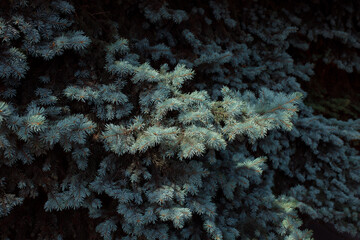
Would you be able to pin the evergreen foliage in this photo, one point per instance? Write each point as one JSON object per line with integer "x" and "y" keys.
{"x": 173, "y": 120}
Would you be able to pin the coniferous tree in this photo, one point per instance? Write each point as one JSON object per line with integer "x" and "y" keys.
{"x": 173, "y": 120}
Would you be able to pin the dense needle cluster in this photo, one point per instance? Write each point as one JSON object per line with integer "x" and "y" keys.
{"x": 183, "y": 121}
